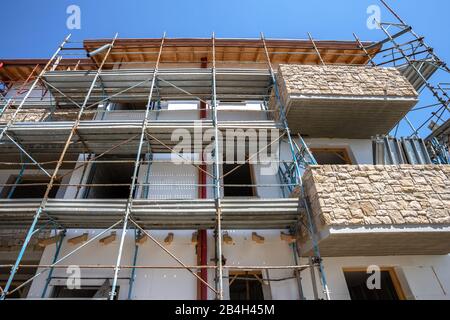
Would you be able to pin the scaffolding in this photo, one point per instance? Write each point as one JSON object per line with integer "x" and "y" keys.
{"x": 83, "y": 89}
{"x": 407, "y": 51}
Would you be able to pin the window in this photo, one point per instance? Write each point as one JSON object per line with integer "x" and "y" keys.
{"x": 28, "y": 187}
{"x": 331, "y": 155}
{"x": 390, "y": 288}
{"x": 246, "y": 285}
{"x": 113, "y": 179}
{"x": 130, "y": 106}
{"x": 238, "y": 180}
{"x": 249, "y": 106}
{"x": 86, "y": 292}
{"x": 182, "y": 105}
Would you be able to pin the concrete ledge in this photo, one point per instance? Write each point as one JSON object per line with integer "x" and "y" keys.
{"x": 382, "y": 241}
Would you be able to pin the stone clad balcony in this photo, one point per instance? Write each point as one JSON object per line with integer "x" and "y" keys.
{"x": 343, "y": 101}
{"x": 379, "y": 210}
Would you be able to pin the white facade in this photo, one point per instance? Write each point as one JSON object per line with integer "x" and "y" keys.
{"x": 421, "y": 277}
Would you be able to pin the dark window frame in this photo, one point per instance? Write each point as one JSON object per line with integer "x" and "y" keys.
{"x": 246, "y": 277}
{"x": 390, "y": 271}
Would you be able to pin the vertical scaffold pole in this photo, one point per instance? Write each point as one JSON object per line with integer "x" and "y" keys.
{"x": 297, "y": 168}
{"x": 55, "y": 258}
{"x": 49, "y": 186}
{"x": 55, "y": 172}
{"x": 135, "y": 173}
{"x": 137, "y": 233}
{"x": 217, "y": 193}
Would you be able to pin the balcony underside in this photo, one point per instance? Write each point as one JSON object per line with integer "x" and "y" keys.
{"x": 383, "y": 240}
{"x": 101, "y": 136}
{"x": 343, "y": 101}
{"x": 242, "y": 213}
{"x": 345, "y": 117}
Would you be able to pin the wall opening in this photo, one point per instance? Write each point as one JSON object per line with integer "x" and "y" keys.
{"x": 28, "y": 187}
{"x": 331, "y": 155}
{"x": 130, "y": 106}
{"x": 240, "y": 182}
{"x": 389, "y": 288}
{"x": 85, "y": 292}
{"x": 113, "y": 180}
{"x": 246, "y": 285}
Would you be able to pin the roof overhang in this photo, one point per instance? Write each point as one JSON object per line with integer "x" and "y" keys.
{"x": 193, "y": 50}
{"x": 16, "y": 70}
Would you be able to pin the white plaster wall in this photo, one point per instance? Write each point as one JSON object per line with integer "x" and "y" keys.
{"x": 427, "y": 277}
{"x": 149, "y": 283}
{"x": 166, "y": 283}
{"x": 245, "y": 252}
{"x": 360, "y": 150}
{"x": 181, "y": 179}
{"x": 269, "y": 183}
{"x": 79, "y": 176}
{"x": 236, "y": 115}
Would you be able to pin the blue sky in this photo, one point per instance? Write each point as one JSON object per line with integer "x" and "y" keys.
{"x": 35, "y": 28}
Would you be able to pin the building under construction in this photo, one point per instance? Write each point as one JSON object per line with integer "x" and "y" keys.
{"x": 117, "y": 180}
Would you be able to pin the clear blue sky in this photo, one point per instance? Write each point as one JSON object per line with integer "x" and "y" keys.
{"x": 33, "y": 29}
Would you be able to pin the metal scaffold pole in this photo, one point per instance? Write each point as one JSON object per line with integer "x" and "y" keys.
{"x": 135, "y": 172}
{"x": 33, "y": 85}
{"x": 44, "y": 200}
{"x": 217, "y": 193}
{"x": 292, "y": 147}
{"x": 59, "y": 244}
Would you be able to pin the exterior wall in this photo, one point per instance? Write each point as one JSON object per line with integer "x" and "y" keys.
{"x": 149, "y": 283}
{"x": 421, "y": 277}
{"x": 171, "y": 283}
{"x": 245, "y": 252}
{"x": 181, "y": 179}
{"x": 426, "y": 276}
{"x": 359, "y": 150}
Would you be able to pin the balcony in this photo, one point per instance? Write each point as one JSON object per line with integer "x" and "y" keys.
{"x": 343, "y": 101}
{"x": 379, "y": 210}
